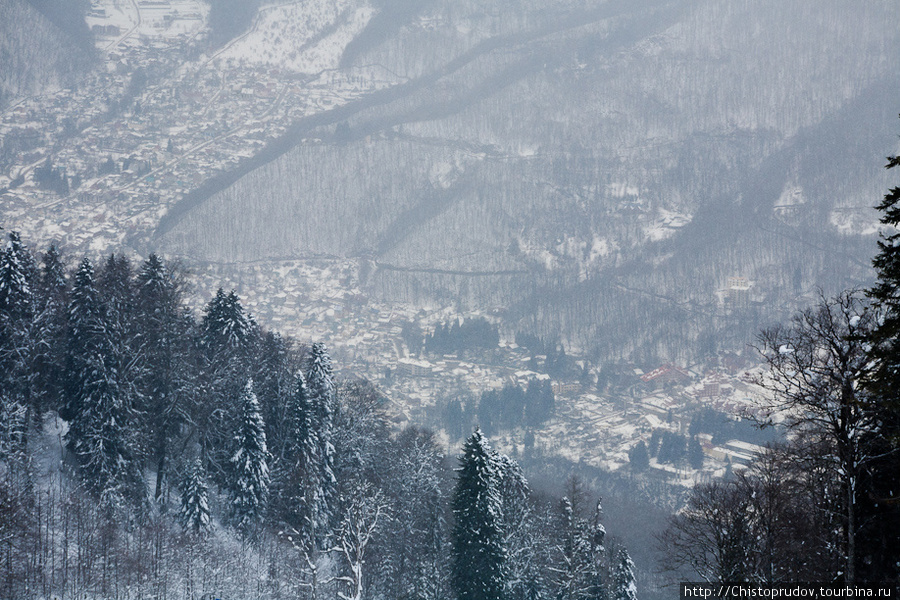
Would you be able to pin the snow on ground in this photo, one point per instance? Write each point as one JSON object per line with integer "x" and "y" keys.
{"x": 854, "y": 220}
{"x": 306, "y": 36}
{"x": 666, "y": 224}
{"x": 112, "y": 19}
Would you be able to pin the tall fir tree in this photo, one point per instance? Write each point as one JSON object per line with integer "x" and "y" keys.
{"x": 101, "y": 420}
{"x": 321, "y": 390}
{"x": 624, "y": 587}
{"x": 195, "y": 500}
{"x": 300, "y": 501}
{"x": 164, "y": 377}
{"x": 17, "y": 278}
{"x": 249, "y": 465}
{"x": 226, "y": 340}
{"x": 50, "y": 332}
{"x": 880, "y": 483}
{"x": 478, "y": 553}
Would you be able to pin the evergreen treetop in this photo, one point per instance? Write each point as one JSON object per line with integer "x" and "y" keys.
{"x": 478, "y": 551}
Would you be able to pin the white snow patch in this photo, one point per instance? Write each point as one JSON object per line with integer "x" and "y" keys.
{"x": 442, "y": 174}
{"x": 306, "y": 36}
{"x": 666, "y": 225}
{"x": 854, "y": 221}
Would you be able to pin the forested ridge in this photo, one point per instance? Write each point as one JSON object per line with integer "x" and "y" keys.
{"x": 146, "y": 452}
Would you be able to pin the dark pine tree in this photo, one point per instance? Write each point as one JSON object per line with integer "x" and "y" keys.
{"x": 320, "y": 385}
{"x": 880, "y": 482}
{"x": 623, "y": 586}
{"x": 226, "y": 341}
{"x": 249, "y": 465}
{"x": 300, "y": 501}
{"x": 695, "y": 454}
{"x": 195, "y": 500}
{"x": 478, "y": 551}
{"x": 17, "y": 275}
{"x": 164, "y": 379}
{"x": 639, "y": 457}
{"x": 50, "y": 332}
{"x": 101, "y": 420}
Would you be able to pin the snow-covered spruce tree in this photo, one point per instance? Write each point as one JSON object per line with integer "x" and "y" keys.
{"x": 115, "y": 283}
{"x": 17, "y": 274}
{"x": 320, "y": 386}
{"x": 300, "y": 503}
{"x": 101, "y": 422}
{"x": 249, "y": 470}
{"x": 598, "y": 571}
{"x": 225, "y": 327}
{"x": 880, "y": 484}
{"x": 573, "y": 565}
{"x": 50, "y": 332}
{"x": 624, "y": 587}
{"x": 164, "y": 380}
{"x": 478, "y": 551}
{"x": 226, "y": 339}
{"x": 195, "y": 500}
{"x": 273, "y": 379}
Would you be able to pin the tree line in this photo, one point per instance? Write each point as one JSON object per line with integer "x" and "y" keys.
{"x": 149, "y": 452}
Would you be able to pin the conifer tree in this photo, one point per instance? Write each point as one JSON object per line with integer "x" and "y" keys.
{"x": 225, "y": 340}
{"x": 596, "y": 589}
{"x": 165, "y": 361}
{"x": 225, "y": 327}
{"x": 300, "y": 497}
{"x": 249, "y": 484}
{"x": 195, "y": 500}
{"x": 695, "y": 453}
{"x": 50, "y": 332}
{"x": 573, "y": 571}
{"x": 880, "y": 500}
{"x": 639, "y": 457}
{"x": 478, "y": 551}
{"x": 320, "y": 386}
{"x": 101, "y": 420}
{"x": 624, "y": 586}
{"x": 17, "y": 275}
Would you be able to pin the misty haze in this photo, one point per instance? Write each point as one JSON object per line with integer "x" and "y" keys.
{"x": 447, "y": 299}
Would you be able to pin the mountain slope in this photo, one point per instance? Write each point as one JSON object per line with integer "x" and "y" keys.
{"x": 37, "y": 53}
{"x": 597, "y": 171}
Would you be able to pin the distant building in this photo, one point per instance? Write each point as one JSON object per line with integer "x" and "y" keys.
{"x": 738, "y": 293}
{"x": 560, "y": 387}
{"x": 414, "y": 368}
{"x": 667, "y": 373}
{"x": 710, "y": 389}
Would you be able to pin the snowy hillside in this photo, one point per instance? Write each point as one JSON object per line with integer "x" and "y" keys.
{"x": 36, "y": 55}
{"x": 306, "y": 36}
{"x": 614, "y": 150}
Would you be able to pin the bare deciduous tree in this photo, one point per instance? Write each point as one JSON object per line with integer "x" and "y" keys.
{"x": 816, "y": 368}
